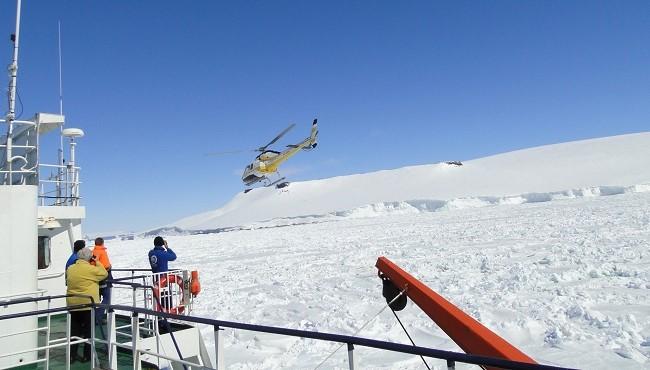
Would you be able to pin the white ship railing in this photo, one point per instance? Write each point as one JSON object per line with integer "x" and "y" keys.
{"x": 56, "y": 343}
{"x": 61, "y": 188}
{"x": 160, "y": 292}
{"x": 165, "y": 292}
{"x": 19, "y": 163}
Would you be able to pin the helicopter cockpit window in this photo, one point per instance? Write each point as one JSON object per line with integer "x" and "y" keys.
{"x": 44, "y": 257}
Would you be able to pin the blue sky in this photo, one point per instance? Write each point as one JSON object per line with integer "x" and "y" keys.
{"x": 157, "y": 84}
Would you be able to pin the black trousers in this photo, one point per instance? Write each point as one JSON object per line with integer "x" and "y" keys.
{"x": 80, "y": 327}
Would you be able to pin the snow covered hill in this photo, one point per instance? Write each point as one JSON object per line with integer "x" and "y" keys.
{"x": 604, "y": 166}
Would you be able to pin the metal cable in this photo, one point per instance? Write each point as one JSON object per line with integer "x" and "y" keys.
{"x": 361, "y": 328}
{"x": 408, "y": 335}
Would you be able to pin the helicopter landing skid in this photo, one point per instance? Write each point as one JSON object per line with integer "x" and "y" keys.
{"x": 275, "y": 182}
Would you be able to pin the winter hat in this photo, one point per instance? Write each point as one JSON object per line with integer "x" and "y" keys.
{"x": 78, "y": 245}
{"x": 158, "y": 241}
{"x": 85, "y": 254}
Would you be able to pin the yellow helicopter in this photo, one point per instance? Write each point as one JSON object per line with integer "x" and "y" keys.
{"x": 267, "y": 162}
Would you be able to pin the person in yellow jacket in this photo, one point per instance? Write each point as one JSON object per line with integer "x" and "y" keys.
{"x": 83, "y": 278}
{"x": 101, "y": 258}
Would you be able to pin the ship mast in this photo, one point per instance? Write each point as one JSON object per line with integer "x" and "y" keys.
{"x": 13, "y": 78}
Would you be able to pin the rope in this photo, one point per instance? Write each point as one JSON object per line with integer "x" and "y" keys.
{"x": 408, "y": 335}
{"x": 361, "y": 328}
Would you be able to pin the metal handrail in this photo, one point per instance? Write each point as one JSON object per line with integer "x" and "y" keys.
{"x": 127, "y": 278}
{"x": 339, "y": 338}
{"x": 131, "y": 270}
{"x": 364, "y": 342}
{"x": 12, "y": 302}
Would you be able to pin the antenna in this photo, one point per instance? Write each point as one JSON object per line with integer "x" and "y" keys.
{"x": 60, "y": 75}
{"x": 60, "y": 172}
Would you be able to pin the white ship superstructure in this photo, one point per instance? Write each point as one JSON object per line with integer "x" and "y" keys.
{"x": 39, "y": 217}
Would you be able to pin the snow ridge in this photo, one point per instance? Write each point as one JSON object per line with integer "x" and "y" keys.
{"x": 604, "y": 166}
{"x": 418, "y": 206}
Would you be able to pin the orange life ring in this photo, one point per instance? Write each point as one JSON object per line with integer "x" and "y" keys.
{"x": 163, "y": 282}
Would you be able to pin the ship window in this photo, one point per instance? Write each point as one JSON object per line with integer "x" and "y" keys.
{"x": 44, "y": 259}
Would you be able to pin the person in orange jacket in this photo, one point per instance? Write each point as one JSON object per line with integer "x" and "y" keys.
{"x": 101, "y": 257}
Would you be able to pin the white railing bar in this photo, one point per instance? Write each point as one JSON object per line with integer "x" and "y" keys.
{"x": 67, "y": 343}
{"x": 123, "y": 334}
{"x": 58, "y": 340}
{"x": 218, "y": 348}
{"x": 111, "y": 337}
{"x": 122, "y": 327}
{"x": 92, "y": 335}
{"x": 19, "y": 146}
{"x": 58, "y": 166}
{"x": 57, "y": 182}
{"x": 157, "y": 333}
{"x": 47, "y": 336}
{"x": 19, "y": 171}
{"x": 51, "y": 276}
{"x": 80, "y": 340}
{"x": 129, "y": 335}
{"x": 135, "y": 339}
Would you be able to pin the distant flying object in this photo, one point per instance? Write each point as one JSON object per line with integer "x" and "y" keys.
{"x": 264, "y": 168}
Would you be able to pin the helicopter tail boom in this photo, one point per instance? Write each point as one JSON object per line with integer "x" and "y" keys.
{"x": 307, "y": 144}
{"x": 310, "y": 142}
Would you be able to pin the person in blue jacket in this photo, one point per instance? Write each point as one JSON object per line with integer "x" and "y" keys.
{"x": 160, "y": 255}
{"x": 78, "y": 245}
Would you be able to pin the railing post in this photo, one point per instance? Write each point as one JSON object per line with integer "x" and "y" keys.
{"x": 451, "y": 365}
{"x": 92, "y": 336}
{"x": 156, "y": 331}
{"x": 47, "y": 338}
{"x": 135, "y": 332}
{"x": 351, "y": 355}
{"x": 145, "y": 293}
{"x": 218, "y": 347}
{"x": 67, "y": 345}
{"x": 112, "y": 338}
{"x": 186, "y": 293}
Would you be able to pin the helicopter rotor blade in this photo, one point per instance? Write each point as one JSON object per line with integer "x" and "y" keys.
{"x": 263, "y": 148}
